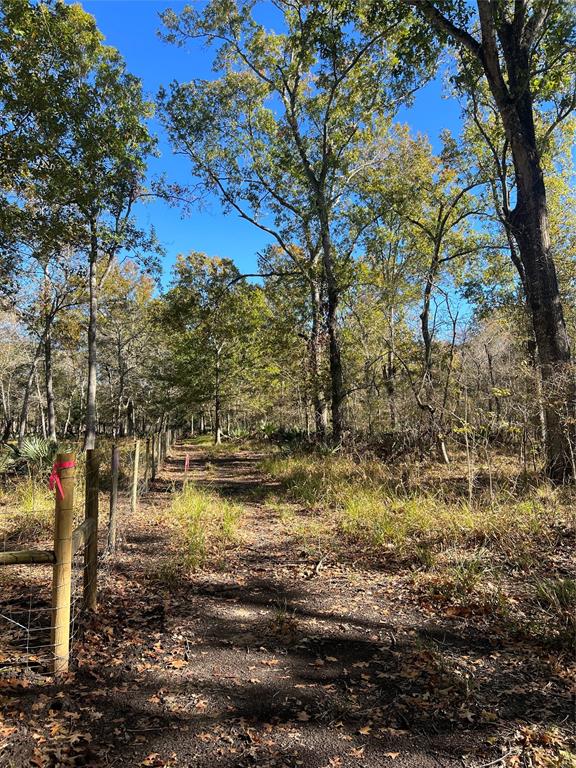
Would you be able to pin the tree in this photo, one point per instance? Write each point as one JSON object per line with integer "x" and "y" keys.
{"x": 126, "y": 335}
{"x": 277, "y": 135}
{"x": 214, "y": 321}
{"x": 47, "y": 51}
{"x": 74, "y": 138}
{"x": 526, "y": 52}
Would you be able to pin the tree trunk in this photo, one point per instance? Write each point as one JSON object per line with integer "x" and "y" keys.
{"x": 333, "y": 298}
{"x": 318, "y": 399}
{"x": 130, "y": 418}
{"x": 529, "y": 222}
{"x": 40, "y": 406}
{"x": 506, "y": 53}
{"x": 90, "y": 434}
{"x": 217, "y": 404}
{"x": 427, "y": 384}
{"x": 48, "y": 377}
{"x": 390, "y": 386}
{"x": 26, "y": 395}
{"x": 8, "y": 420}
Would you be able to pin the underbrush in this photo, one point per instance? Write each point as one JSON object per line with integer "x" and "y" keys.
{"x": 206, "y": 524}
{"x": 27, "y": 512}
{"x": 557, "y": 600}
{"x": 506, "y": 554}
{"x": 373, "y": 507}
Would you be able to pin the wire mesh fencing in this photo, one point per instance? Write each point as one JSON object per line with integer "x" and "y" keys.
{"x": 42, "y": 588}
{"x": 46, "y": 590}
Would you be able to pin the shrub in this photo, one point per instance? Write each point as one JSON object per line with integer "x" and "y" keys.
{"x": 557, "y": 597}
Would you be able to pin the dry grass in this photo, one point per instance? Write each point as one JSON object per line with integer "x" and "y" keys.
{"x": 373, "y": 505}
{"x": 205, "y": 524}
{"x": 507, "y": 553}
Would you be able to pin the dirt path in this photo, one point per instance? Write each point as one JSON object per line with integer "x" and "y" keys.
{"x": 278, "y": 656}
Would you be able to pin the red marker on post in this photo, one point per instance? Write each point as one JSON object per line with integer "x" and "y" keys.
{"x": 54, "y": 480}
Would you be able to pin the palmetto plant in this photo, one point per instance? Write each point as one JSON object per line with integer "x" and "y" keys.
{"x": 37, "y": 453}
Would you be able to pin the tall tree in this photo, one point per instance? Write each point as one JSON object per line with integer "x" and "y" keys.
{"x": 74, "y": 137}
{"x": 47, "y": 51}
{"x": 276, "y": 136}
{"x": 526, "y": 52}
{"x": 214, "y": 320}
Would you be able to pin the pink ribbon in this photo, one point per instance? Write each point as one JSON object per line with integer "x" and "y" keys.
{"x": 186, "y": 463}
{"x": 54, "y": 481}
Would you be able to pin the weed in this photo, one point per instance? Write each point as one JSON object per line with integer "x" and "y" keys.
{"x": 370, "y": 507}
{"x": 284, "y": 623}
{"x": 557, "y": 594}
{"x": 206, "y": 522}
{"x": 167, "y": 573}
{"x": 34, "y": 498}
{"x": 557, "y": 597}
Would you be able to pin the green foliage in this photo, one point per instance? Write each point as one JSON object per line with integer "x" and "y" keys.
{"x": 558, "y": 594}
{"x": 7, "y": 460}
{"x": 558, "y": 598}
{"x": 207, "y": 524}
{"x": 213, "y": 324}
{"x": 368, "y": 506}
{"x": 35, "y": 500}
{"x": 37, "y": 452}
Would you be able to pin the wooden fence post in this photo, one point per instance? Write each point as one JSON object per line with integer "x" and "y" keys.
{"x": 115, "y": 466}
{"x": 136, "y": 462}
{"x": 146, "y": 465}
{"x": 62, "y": 570}
{"x": 91, "y": 547}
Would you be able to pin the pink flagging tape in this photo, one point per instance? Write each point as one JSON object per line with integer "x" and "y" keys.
{"x": 54, "y": 481}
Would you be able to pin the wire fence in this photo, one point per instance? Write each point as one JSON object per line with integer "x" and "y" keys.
{"x": 43, "y": 601}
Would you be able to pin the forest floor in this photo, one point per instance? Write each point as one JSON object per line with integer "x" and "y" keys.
{"x": 279, "y": 653}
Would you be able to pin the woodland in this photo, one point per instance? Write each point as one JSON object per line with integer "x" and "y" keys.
{"x": 342, "y": 524}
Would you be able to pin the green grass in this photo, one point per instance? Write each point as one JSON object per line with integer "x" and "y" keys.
{"x": 557, "y": 598}
{"x": 488, "y": 557}
{"x": 371, "y": 507}
{"x": 33, "y": 497}
{"x": 206, "y": 523}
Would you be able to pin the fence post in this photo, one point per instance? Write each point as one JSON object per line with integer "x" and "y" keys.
{"x": 135, "y": 477}
{"x": 115, "y": 466}
{"x": 146, "y": 465}
{"x": 62, "y": 570}
{"x": 91, "y": 547}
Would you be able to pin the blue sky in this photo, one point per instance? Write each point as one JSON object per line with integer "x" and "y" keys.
{"x": 131, "y": 26}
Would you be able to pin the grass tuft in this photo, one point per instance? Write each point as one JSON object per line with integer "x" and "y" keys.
{"x": 207, "y": 523}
